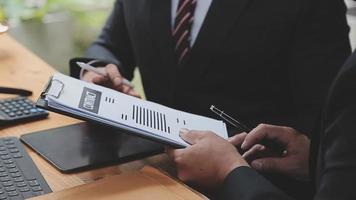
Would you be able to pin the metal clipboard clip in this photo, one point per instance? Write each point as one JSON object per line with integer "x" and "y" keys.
{"x": 54, "y": 88}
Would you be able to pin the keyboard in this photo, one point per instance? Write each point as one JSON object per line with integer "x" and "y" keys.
{"x": 19, "y": 109}
{"x": 19, "y": 176}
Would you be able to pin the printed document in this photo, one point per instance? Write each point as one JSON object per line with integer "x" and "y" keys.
{"x": 123, "y": 111}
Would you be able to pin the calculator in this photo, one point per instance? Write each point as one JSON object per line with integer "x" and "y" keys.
{"x": 19, "y": 109}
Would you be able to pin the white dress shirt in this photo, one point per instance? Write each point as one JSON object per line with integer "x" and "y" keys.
{"x": 199, "y": 16}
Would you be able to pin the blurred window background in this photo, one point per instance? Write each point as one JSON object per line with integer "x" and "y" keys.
{"x": 57, "y": 30}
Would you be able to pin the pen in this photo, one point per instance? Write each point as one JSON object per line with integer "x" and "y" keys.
{"x": 88, "y": 67}
{"x": 273, "y": 145}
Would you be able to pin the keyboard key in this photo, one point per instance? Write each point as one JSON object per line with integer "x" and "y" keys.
{"x": 16, "y": 175}
{"x": 2, "y": 191}
{"x": 2, "y": 169}
{"x": 3, "y": 174}
{"x": 19, "y": 179}
{"x": 36, "y": 189}
{"x": 38, "y": 193}
{"x": 21, "y": 184}
{"x": 27, "y": 195}
{"x": 7, "y": 184}
{"x": 9, "y": 166}
{"x": 13, "y": 193}
{"x": 8, "y": 162}
{"x": 9, "y": 142}
{"x": 24, "y": 189}
{"x": 33, "y": 183}
{"x": 3, "y": 196}
{"x": 4, "y": 179}
{"x": 2, "y": 148}
{"x": 11, "y": 188}
{"x": 17, "y": 155}
{"x": 12, "y": 114}
{"x": 5, "y": 157}
{"x": 2, "y": 153}
{"x": 11, "y": 147}
{"x": 14, "y": 151}
{"x": 13, "y": 170}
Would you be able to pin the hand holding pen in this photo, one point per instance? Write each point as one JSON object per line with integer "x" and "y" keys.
{"x": 108, "y": 76}
{"x": 274, "y": 146}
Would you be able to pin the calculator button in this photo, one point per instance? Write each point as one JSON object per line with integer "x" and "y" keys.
{"x": 12, "y": 114}
{"x": 19, "y": 113}
{"x": 7, "y": 110}
{"x": 33, "y": 110}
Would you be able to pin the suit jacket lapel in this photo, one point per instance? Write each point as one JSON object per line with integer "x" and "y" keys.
{"x": 162, "y": 29}
{"x": 220, "y": 18}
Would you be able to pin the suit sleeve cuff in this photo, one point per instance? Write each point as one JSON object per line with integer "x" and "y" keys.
{"x": 246, "y": 183}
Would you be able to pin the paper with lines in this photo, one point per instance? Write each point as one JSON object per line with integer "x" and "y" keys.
{"x": 117, "y": 109}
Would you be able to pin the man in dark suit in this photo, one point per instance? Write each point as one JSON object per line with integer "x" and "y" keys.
{"x": 332, "y": 157}
{"x": 266, "y": 61}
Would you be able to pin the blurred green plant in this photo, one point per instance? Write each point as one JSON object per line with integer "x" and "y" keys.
{"x": 2, "y": 14}
{"x": 88, "y": 15}
{"x": 37, "y": 9}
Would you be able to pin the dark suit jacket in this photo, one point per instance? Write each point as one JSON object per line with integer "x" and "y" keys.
{"x": 265, "y": 61}
{"x": 333, "y": 152}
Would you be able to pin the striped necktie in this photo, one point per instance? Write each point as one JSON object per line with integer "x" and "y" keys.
{"x": 182, "y": 27}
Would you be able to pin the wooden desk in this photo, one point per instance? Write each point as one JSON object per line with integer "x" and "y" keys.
{"x": 20, "y": 68}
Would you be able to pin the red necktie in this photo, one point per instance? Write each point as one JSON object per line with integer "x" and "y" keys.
{"x": 182, "y": 27}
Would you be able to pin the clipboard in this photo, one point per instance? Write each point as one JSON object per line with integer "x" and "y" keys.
{"x": 42, "y": 103}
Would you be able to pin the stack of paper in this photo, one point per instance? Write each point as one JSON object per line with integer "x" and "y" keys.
{"x": 120, "y": 110}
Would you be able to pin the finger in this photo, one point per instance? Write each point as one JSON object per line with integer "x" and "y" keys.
{"x": 134, "y": 94}
{"x": 99, "y": 79}
{"x": 253, "y": 151}
{"x": 173, "y": 153}
{"x": 191, "y": 137}
{"x": 237, "y": 140}
{"x": 268, "y": 165}
{"x": 282, "y": 134}
{"x": 126, "y": 89}
{"x": 114, "y": 75}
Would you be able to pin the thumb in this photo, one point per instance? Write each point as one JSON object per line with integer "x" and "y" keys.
{"x": 268, "y": 165}
{"x": 191, "y": 137}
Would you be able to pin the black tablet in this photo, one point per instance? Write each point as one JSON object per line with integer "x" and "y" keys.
{"x": 85, "y": 146}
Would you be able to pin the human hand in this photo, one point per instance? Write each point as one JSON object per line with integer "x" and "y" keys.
{"x": 208, "y": 160}
{"x": 295, "y": 163}
{"x": 114, "y": 80}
